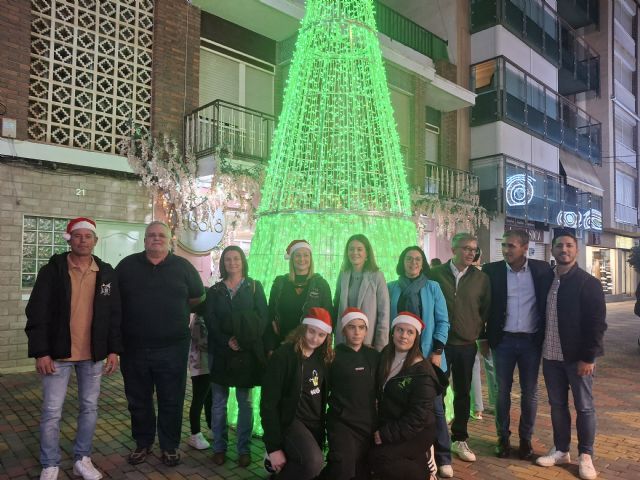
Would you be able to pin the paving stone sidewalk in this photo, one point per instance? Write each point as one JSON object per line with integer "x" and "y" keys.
{"x": 617, "y": 394}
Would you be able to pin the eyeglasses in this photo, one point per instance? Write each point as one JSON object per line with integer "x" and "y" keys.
{"x": 469, "y": 249}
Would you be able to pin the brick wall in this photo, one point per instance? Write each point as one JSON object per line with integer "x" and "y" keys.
{"x": 28, "y": 189}
{"x": 15, "y": 28}
{"x": 173, "y": 38}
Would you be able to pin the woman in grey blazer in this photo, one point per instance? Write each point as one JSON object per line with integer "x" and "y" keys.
{"x": 361, "y": 285}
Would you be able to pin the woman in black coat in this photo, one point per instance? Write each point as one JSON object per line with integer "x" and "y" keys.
{"x": 408, "y": 386}
{"x": 236, "y": 317}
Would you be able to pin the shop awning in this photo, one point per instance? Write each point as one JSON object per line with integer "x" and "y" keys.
{"x": 582, "y": 174}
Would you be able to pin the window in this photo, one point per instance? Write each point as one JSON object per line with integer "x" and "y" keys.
{"x": 624, "y": 74}
{"x": 625, "y": 189}
{"x": 90, "y": 71}
{"x": 626, "y": 135}
{"x": 625, "y": 15}
{"x": 41, "y": 238}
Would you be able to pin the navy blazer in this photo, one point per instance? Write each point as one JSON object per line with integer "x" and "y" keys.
{"x": 497, "y": 272}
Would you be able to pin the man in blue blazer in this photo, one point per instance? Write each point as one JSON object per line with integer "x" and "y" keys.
{"x": 515, "y": 332}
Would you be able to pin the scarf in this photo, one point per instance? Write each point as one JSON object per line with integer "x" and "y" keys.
{"x": 411, "y": 292}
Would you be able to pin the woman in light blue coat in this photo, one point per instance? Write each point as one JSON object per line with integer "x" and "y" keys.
{"x": 362, "y": 285}
{"x": 415, "y": 293}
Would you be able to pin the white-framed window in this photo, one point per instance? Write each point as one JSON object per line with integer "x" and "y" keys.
{"x": 625, "y": 189}
{"x": 41, "y": 238}
{"x": 626, "y": 132}
{"x": 90, "y": 71}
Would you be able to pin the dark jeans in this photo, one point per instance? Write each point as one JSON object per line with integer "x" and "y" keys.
{"x": 348, "y": 449}
{"x": 303, "y": 453}
{"x": 460, "y": 359}
{"x": 442, "y": 443}
{"x": 403, "y": 461}
{"x": 201, "y": 398}
{"x": 165, "y": 371}
{"x": 559, "y": 377}
{"x": 521, "y": 350}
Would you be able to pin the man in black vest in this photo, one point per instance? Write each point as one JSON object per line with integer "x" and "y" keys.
{"x": 515, "y": 331}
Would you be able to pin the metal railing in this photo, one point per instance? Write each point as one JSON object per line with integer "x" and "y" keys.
{"x": 403, "y": 30}
{"x": 450, "y": 183}
{"x": 540, "y": 27}
{"x": 579, "y": 13}
{"x": 507, "y": 92}
{"x": 243, "y": 132}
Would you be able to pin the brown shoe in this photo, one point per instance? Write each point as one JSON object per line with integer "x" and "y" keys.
{"x": 244, "y": 460}
{"x": 219, "y": 458}
{"x": 138, "y": 455}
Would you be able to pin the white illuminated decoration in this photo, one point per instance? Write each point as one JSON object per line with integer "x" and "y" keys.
{"x": 519, "y": 190}
{"x": 590, "y": 220}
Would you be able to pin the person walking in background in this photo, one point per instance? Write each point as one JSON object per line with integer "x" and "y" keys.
{"x": 414, "y": 293}
{"x": 362, "y": 285}
{"x": 468, "y": 297}
{"x": 574, "y": 332}
{"x": 200, "y": 382}
{"x": 294, "y": 293}
{"x": 73, "y": 323}
{"x": 515, "y": 330}
{"x": 236, "y": 317}
{"x": 158, "y": 291}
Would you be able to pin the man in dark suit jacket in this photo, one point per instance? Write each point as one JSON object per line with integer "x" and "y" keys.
{"x": 515, "y": 332}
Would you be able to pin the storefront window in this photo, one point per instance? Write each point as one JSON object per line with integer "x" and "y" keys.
{"x": 601, "y": 267}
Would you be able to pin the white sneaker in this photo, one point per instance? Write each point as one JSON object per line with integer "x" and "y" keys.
{"x": 586, "y": 469}
{"x": 445, "y": 471}
{"x": 49, "y": 473}
{"x": 463, "y": 451}
{"x": 198, "y": 441}
{"x": 85, "y": 469}
{"x": 554, "y": 457}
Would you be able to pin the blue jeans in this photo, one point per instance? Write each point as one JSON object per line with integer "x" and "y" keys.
{"x": 442, "y": 442}
{"x": 559, "y": 377}
{"x": 54, "y": 388}
{"x": 521, "y": 350}
{"x": 219, "y": 397}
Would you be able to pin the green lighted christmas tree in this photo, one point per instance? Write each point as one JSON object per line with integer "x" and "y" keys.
{"x": 336, "y": 167}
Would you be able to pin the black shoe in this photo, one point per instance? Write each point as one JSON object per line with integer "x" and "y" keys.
{"x": 138, "y": 455}
{"x": 525, "y": 452}
{"x": 503, "y": 448}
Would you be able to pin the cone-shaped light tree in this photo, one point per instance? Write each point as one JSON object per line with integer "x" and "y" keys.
{"x": 335, "y": 167}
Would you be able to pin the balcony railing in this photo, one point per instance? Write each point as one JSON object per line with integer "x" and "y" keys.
{"x": 579, "y": 13}
{"x": 242, "y": 131}
{"x": 522, "y": 191}
{"x": 450, "y": 183}
{"x": 538, "y": 25}
{"x": 506, "y": 92}
{"x": 409, "y": 33}
{"x": 626, "y": 214}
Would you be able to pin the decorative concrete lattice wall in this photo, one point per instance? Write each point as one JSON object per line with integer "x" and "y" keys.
{"x": 90, "y": 71}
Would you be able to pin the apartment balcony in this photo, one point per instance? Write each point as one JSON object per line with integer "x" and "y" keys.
{"x": 242, "y": 132}
{"x": 519, "y": 190}
{"x": 541, "y": 28}
{"x": 579, "y": 13}
{"x": 450, "y": 184}
{"x": 626, "y": 214}
{"x": 508, "y": 93}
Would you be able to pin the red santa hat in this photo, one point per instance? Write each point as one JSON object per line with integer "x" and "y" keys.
{"x": 352, "y": 313}
{"x": 409, "y": 318}
{"x": 318, "y": 317}
{"x": 296, "y": 245}
{"x": 76, "y": 223}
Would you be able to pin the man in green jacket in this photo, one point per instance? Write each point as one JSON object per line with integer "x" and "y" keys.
{"x": 468, "y": 294}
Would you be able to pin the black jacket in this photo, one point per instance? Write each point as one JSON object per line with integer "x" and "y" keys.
{"x": 245, "y": 317}
{"x": 582, "y": 314}
{"x": 48, "y": 312}
{"x": 282, "y": 318}
{"x": 405, "y": 407}
{"x": 281, "y": 392}
{"x": 352, "y": 380}
{"x": 497, "y": 271}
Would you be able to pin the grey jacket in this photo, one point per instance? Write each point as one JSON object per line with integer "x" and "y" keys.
{"x": 373, "y": 300}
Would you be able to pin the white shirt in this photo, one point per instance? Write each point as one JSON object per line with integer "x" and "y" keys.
{"x": 457, "y": 273}
{"x": 522, "y": 309}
